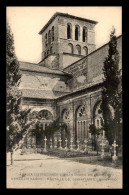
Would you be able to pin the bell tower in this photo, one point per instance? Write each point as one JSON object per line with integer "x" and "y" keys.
{"x": 66, "y": 39}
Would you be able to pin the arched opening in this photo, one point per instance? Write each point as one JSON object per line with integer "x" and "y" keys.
{"x": 45, "y": 117}
{"x": 81, "y": 123}
{"x": 47, "y": 52}
{"x": 70, "y": 48}
{"x": 52, "y": 33}
{"x": 69, "y": 31}
{"x": 85, "y": 49}
{"x": 97, "y": 116}
{"x": 49, "y": 37}
{"x": 46, "y": 41}
{"x": 78, "y": 48}
{"x": 51, "y": 50}
{"x": 84, "y": 34}
{"x": 77, "y": 32}
{"x": 66, "y": 118}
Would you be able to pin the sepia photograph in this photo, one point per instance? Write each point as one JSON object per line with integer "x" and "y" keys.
{"x": 64, "y": 127}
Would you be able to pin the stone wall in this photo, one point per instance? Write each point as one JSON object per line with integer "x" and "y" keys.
{"x": 79, "y": 72}
{"x": 92, "y": 66}
{"x": 72, "y": 104}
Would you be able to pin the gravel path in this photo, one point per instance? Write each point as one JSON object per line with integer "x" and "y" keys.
{"x": 42, "y": 171}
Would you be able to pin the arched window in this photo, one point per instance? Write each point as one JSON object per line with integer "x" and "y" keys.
{"x": 84, "y": 34}
{"x": 47, "y": 52}
{"x": 53, "y": 33}
{"x": 70, "y": 50}
{"x": 49, "y": 37}
{"x": 78, "y": 48}
{"x": 85, "y": 50}
{"x": 82, "y": 131}
{"x": 51, "y": 50}
{"x": 77, "y": 29}
{"x": 66, "y": 118}
{"x": 45, "y": 115}
{"x": 69, "y": 31}
{"x": 66, "y": 115}
{"x": 98, "y": 118}
{"x": 46, "y": 40}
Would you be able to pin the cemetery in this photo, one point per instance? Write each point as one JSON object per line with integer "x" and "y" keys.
{"x": 70, "y": 149}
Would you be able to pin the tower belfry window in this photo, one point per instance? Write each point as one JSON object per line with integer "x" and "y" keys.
{"x": 49, "y": 37}
{"x": 53, "y": 33}
{"x": 77, "y": 33}
{"x": 84, "y": 34}
{"x": 68, "y": 31}
{"x": 46, "y": 39}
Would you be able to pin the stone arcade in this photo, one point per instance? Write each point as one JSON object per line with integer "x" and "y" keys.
{"x": 67, "y": 82}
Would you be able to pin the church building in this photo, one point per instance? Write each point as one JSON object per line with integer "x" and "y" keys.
{"x": 67, "y": 83}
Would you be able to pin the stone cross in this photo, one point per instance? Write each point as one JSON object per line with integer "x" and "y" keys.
{"x": 103, "y": 134}
{"x": 45, "y": 139}
{"x": 66, "y": 147}
{"x": 90, "y": 135}
{"x": 78, "y": 145}
{"x": 102, "y": 144}
{"x": 86, "y": 145}
{"x": 60, "y": 147}
{"x": 55, "y": 143}
{"x": 51, "y": 143}
{"x": 71, "y": 145}
{"x": 115, "y": 157}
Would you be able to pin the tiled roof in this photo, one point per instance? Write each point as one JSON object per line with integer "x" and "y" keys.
{"x": 36, "y": 68}
{"x": 35, "y": 93}
{"x": 41, "y": 94}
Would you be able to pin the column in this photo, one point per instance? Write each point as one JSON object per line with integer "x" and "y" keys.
{"x": 80, "y": 37}
{"x": 73, "y": 32}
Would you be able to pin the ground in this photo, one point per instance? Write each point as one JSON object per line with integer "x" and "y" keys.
{"x": 45, "y": 171}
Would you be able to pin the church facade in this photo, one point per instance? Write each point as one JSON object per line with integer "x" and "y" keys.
{"x": 67, "y": 83}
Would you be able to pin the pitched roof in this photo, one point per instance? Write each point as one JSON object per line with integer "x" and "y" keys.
{"x": 41, "y": 94}
{"x": 35, "y": 93}
{"x": 36, "y": 68}
{"x": 65, "y": 15}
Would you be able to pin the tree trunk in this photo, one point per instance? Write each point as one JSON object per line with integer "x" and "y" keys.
{"x": 12, "y": 158}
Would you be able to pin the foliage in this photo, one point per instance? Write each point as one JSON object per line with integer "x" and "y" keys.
{"x": 17, "y": 120}
{"x": 52, "y": 128}
{"x": 93, "y": 130}
{"x": 111, "y": 97}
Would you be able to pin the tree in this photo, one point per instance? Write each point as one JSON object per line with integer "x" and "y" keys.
{"x": 94, "y": 131}
{"x": 52, "y": 128}
{"x": 17, "y": 122}
{"x": 111, "y": 96}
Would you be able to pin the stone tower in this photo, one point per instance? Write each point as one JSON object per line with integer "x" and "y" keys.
{"x": 66, "y": 39}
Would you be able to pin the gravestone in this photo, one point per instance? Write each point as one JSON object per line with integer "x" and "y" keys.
{"x": 114, "y": 157}
{"x": 78, "y": 149}
{"x": 45, "y": 145}
{"x": 71, "y": 144}
{"x": 51, "y": 143}
{"x": 66, "y": 146}
{"x": 55, "y": 143}
{"x": 102, "y": 151}
{"x": 86, "y": 146}
{"x": 60, "y": 147}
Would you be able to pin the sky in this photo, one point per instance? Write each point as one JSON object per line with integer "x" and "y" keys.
{"x": 26, "y": 22}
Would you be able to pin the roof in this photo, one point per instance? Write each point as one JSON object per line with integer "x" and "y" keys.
{"x": 41, "y": 94}
{"x": 65, "y": 15}
{"x": 35, "y": 93}
{"x": 36, "y": 68}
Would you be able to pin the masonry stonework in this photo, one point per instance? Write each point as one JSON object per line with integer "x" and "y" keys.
{"x": 66, "y": 84}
